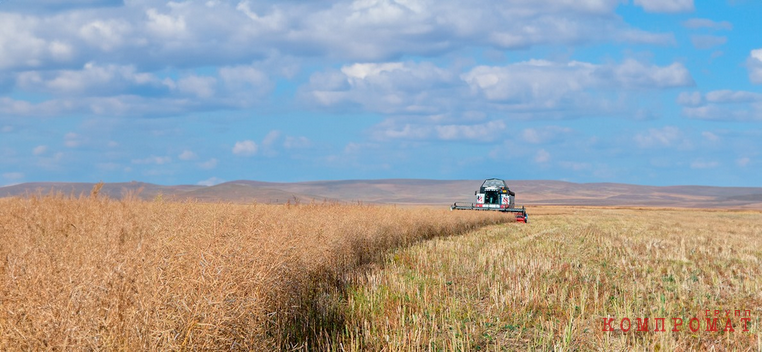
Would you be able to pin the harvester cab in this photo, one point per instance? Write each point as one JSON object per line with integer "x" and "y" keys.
{"x": 496, "y": 196}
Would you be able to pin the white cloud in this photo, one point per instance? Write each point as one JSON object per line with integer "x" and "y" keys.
{"x": 743, "y": 161}
{"x": 201, "y": 87}
{"x": 754, "y": 65}
{"x": 245, "y": 84}
{"x": 355, "y": 30}
{"x": 542, "y": 156}
{"x": 210, "y": 181}
{"x": 707, "y": 41}
{"x": 666, "y": 6}
{"x": 40, "y": 149}
{"x": 107, "y": 35}
{"x": 669, "y": 136}
{"x": 123, "y": 90}
{"x": 699, "y": 23}
{"x": 534, "y": 88}
{"x": 209, "y": 164}
{"x": 723, "y": 113}
{"x": 73, "y": 140}
{"x": 385, "y": 87}
{"x": 486, "y": 132}
{"x": 58, "y": 5}
{"x": 245, "y": 148}
{"x": 575, "y": 88}
{"x": 437, "y": 128}
{"x": 361, "y": 71}
{"x": 92, "y": 79}
{"x": 166, "y": 26}
{"x": 709, "y": 136}
{"x": 6, "y": 129}
{"x": 187, "y": 155}
{"x": 635, "y": 74}
{"x": 270, "y": 138}
{"x": 544, "y": 134}
{"x": 156, "y": 160}
{"x": 689, "y": 99}
{"x": 124, "y": 54}
{"x": 724, "y": 105}
{"x": 729, "y": 96}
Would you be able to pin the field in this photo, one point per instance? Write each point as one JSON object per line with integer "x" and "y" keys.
{"x": 549, "y": 285}
{"x": 96, "y": 273}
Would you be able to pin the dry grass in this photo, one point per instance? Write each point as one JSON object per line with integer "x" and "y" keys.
{"x": 548, "y": 285}
{"x": 94, "y": 273}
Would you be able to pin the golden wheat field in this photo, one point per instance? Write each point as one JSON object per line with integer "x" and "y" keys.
{"x": 95, "y": 273}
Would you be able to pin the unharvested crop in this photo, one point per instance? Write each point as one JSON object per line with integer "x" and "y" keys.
{"x": 96, "y": 273}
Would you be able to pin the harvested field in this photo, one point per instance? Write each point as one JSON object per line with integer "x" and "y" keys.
{"x": 549, "y": 285}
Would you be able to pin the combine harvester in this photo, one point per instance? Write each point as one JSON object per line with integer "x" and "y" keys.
{"x": 494, "y": 195}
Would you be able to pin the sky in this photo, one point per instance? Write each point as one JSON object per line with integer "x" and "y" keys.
{"x": 652, "y": 92}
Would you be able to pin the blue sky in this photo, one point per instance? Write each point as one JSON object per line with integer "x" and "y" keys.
{"x": 655, "y": 92}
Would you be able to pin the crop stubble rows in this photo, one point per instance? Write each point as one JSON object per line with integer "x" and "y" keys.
{"x": 549, "y": 284}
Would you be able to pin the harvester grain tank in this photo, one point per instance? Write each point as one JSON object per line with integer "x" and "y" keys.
{"x": 494, "y": 195}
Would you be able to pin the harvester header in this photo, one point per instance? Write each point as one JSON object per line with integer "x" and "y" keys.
{"x": 494, "y": 195}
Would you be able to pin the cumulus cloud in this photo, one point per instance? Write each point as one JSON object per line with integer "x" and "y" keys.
{"x": 729, "y": 96}
{"x": 378, "y": 30}
{"x": 665, "y": 6}
{"x": 73, "y": 140}
{"x": 481, "y": 132}
{"x": 707, "y": 41}
{"x": 548, "y": 81}
{"x": 153, "y": 160}
{"x": 385, "y": 87}
{"x": 437, "y": 128}
{"x": 722, "y": 105}
{"x": 705, "y": 23}
{"x": 668, "y": 136}
{"x": 530, "y": 88}
{"x": 40, "y": 149}
{"x": 107, "y": 62}
{"x": 754, "y": 64}
{"x": 245, "y": 148}
{"x": 709, "y": 136}
{"x": 542, "y": 156}
{"x": 58, "y": 5}
{"x": 123, "y": 90}
{"x": 91, "y": 80}
{"x": 538, "y": 87}
{"x": 187, "y": 155}
{"x": 635, "y": 74}
{"x": 543, "y": 135}
{"x": 689, "y": 98}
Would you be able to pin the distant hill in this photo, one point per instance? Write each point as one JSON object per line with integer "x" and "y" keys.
{"x": 417, "y": 192}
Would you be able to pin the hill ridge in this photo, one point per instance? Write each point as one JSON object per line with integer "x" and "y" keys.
{"x": 416, "y": 191}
